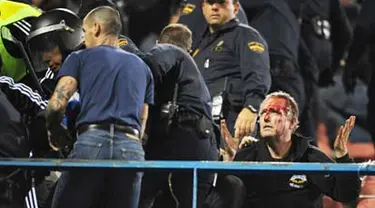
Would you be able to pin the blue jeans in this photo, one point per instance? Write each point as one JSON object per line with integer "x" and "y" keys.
{"x": 84, "y": 188}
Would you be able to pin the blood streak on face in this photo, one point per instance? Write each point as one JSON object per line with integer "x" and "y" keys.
{"x": 275, "y": 105}
{"x": 273, "y": 117}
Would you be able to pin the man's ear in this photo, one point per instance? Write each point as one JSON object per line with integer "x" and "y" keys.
{"x": 294, "y": 124}
{"x": 236, "y": 7}
{"x": 97, "y": 29}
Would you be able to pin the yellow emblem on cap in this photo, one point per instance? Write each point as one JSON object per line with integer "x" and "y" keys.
{"x": 189, "y": 8}
{"x": 256, "y": 47}
{"x": 122, "y": 42}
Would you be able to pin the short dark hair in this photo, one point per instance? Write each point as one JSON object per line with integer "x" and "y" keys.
{"x": 178, "y": 35}
{"x": 108, "y": 17}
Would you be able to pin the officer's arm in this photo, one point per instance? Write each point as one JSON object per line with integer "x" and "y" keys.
{"x": 160, "y": 62}
{"x": 340, "y": 187}
{"x": 64, "y": 90}
{"x": 255, "y": 67}
{"x": 341, "y": 32}
{"x": 363, "y": 32}
{"x": 22, "y": 97}
{"x": 155, "y": 68}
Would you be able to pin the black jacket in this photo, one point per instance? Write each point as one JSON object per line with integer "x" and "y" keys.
{"x": 235, "y": 59}
{"x": 17, "y": 102}
{"x": 170, "y": 65}
{"x": 295, "y": 190}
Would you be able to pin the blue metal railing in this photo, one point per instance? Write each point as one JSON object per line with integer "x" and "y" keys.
{"x": 354, "y": 168}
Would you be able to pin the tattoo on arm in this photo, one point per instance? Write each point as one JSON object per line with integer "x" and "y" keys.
{"x": 56, "y": 107}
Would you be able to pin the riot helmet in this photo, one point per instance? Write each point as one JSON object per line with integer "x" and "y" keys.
{"x": 58, "y": 28}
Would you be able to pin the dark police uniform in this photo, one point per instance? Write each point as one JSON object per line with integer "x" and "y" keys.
{"x": 280, "y": 28}
{"x": 190, "y": 135}
{"x": 295, "y": 190}
{"x": 364, "y": 34}
{"x": 192, "y": 16}
{"x": 18, "y": 104}
{"x": 234, "y": 59}
{"x": 113, "y": 86}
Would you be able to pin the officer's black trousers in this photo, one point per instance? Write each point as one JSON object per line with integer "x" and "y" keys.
{"x": 182, "y": 143}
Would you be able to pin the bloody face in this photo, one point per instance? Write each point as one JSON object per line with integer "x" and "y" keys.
{"x": 273, "y": 119}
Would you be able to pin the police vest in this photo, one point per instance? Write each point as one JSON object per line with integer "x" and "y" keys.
{"x": 11, "y": 12}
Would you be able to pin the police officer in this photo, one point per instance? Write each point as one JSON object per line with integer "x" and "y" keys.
{"x": 53, "y": 52}
{"x": 55, "y": 48}
{"x": 363, "y": 35}
{"x": 180, "y": 124}
{"x": 192, "y": 16}
{"x": 120, "y": 86}
{"x": 233, "y": 59}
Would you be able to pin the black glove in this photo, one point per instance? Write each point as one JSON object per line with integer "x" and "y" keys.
{"x": 349, "y": 79}
{"x": 59, "y": 137}
{"x": 326, "y": 78}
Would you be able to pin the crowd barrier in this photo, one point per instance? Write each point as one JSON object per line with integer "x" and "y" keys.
{"x": 367, "y": 168}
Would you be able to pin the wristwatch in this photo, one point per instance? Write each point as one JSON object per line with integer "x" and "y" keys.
{"x": 252, "y": 109}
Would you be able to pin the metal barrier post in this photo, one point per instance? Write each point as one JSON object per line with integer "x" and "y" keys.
{"x": 195, "y": 185}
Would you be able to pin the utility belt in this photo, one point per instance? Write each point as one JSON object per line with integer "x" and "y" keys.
{"x": 321, "y": 27}
{"x": 179, "y": 117}
{"x": 108, "y": 127}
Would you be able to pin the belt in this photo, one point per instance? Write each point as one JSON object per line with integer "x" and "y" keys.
{"x": 108, "y": 127}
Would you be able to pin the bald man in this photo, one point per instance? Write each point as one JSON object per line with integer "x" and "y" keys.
{"x": 115, "y": 89}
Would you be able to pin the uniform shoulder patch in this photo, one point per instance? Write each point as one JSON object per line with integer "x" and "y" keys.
{"x": 189, "y": 8}
{"x": 122, "y": 42}
{"x": 256, "y": 47}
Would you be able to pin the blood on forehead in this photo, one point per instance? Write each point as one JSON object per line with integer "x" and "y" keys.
{"x": 276, "y": 104}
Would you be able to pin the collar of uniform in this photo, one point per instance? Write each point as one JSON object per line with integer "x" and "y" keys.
{"x": 299, "y": 147}
{"x": 232, "y": 23}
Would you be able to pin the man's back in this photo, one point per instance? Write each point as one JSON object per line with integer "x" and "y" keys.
{"x": 179, "y": 67}
{"x": 112, "y": 85}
